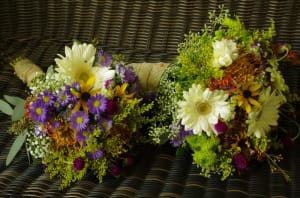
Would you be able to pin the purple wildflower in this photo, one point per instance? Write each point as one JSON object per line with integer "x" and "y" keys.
{"x": 240, "y": 161}
{"x": 220, "y": 127}
{"x": 104, "y": 58}
{"x": 95, "y": 155}
{"x": 97, "y": 104}
{"x": 38, "y": 111}
{"x": 105, "y": 124}
{"x": 127, "y": 74}
{"x": 47, "y": 97}
{"x": 178, "y": 139}
{"x": 78, "y": 164}
{"x": 82, "y": 136}
{"x": 79, "y": 121}
{"x": 65, "y": 97}
{"x": 38, "y": 130}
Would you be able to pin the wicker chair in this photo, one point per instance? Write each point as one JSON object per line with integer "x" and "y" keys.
{"x": 144, "y": 31}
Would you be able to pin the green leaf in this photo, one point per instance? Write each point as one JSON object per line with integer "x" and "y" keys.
{"x": 19, "y": 111}
{"x": 16, "y": 147}
{"x": 5, "y": 108}
{"x": 14, "y": 100}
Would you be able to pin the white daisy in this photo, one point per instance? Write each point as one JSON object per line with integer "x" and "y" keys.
{"x": 261, "y": 119}
{"x": 77, "y": 65}
{"x": 201, "y": 109}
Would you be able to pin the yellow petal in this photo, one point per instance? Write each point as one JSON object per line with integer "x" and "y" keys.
{"x": 247, "y": 107}
{"x": 254, "y": 102}
{"x": 90, "y": 82}
{"x": 254, "y": 87}
{"x": 77, "y": 107}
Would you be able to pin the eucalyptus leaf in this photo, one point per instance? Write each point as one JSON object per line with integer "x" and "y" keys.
{"x": 16, "y": 147}
{"x": 19, "y": 111}
{"x": 14, "y": 100}
{"x": 5, "y": 108}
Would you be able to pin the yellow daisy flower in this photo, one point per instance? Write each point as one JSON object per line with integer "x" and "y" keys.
{"x": 247, "y": 95}
{"x": 86, "y": 90}
{"x": 120, "y": 91}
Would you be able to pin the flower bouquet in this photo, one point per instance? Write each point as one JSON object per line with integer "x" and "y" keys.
{"x": 225, "y": 98}
{"x": 83, "y": 114}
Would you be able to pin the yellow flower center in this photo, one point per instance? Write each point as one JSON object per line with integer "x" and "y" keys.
{"x": 39, "y": 111}
{"x": 96, "y": 103}
{"x": 79, "y": 120}
{"x": 46, "y": 99}
{"x": 203, "y": 108}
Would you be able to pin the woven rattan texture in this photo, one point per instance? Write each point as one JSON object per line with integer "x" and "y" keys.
{"x": 143, "y": 31}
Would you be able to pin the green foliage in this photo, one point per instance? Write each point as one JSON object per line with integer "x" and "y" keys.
{"x": 5, "y": 108}
{"x": 60, "y": 164}
{"x": 205, "y": 151}
{"x": 99, "y": 168}
{"x": 261, "y": 144}
{"x": 16, "y": 147}
{"x": 225, "y": 166}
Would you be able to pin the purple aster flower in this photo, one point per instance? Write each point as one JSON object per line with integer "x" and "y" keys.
{"x": 82, "y": 136}
{"x": 97, "y": 104}
{"x": 220, "y": 127}
{"x": 104, "y": 58}
{"x": 65, "y": 97}
{"x": 127, "y": 74}
{"x": 79, "y": 121}
{"x": 38, "y": 130}
{"x": 78, "y": 164}
{"x": 38, "y": 111}
{"x": 179, "y": 138}
{"x": 130, "y": 75}
{"x": 105, "y": 124}
{"x": 47, "y": 97}
{"x": 240, "y": 161}
{"x": 95, "y": 155}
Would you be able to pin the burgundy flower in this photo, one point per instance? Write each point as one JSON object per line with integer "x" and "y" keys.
{"x": 128, "y": 161}
{"x": 240, "y": 161}
{"x": 287, "y": 142}
{"x": 221, "y": 127}
{"x": 112, "y": 107}
{"x": 78, "y": 164}
{"x": 115, "y": 170}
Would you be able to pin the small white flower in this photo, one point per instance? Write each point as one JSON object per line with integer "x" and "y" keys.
{"x": 201, "y": 109}
{"x": 225, "y": 52}
{"x": 261, "y": 119}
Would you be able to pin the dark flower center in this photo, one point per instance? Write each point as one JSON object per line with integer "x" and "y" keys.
{"x": 85, "y": 96}
{"x": 247, "y": 93}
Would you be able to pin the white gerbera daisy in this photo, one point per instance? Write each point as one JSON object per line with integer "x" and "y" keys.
{"x": 261, "y": 119}
{"x": 77, "y": 65}
{"x": 201, "y": 109}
